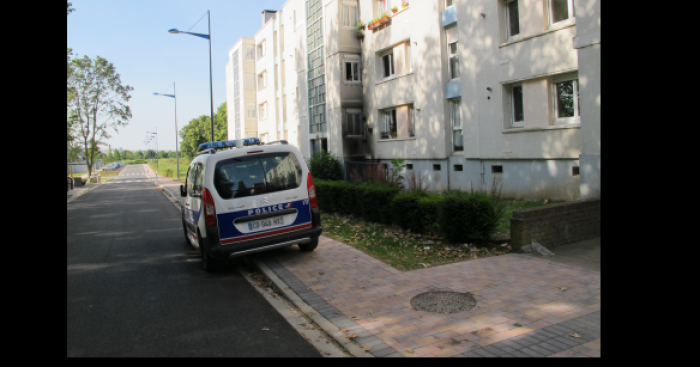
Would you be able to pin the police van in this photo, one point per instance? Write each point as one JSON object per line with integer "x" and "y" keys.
{"x": 248, "y": 198}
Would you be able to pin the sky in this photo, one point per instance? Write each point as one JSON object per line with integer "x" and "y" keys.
{"x": 133, "y": 35}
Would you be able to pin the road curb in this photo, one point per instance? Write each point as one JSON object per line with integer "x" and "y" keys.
{"x": 81, "y": 193}
{"x": 332, "y": 330}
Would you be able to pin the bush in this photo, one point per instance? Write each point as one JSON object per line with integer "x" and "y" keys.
{"x": 169, "y": 172}
{"x": 135, "y": 161}
{"x": 325, "y": 166}
{"x": 467, "y": 217}
{"x": 417, "y": 211}
{"x": 370, "y": 201}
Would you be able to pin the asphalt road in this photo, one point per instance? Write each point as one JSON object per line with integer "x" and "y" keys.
{"x": 136, "y": 288}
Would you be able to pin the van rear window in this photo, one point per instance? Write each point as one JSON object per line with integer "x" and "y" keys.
{"x": 257, "y": 174}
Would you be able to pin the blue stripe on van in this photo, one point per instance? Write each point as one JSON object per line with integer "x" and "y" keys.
{"x": 228, "y": 230}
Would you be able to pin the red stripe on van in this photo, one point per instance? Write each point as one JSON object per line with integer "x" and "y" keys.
{"x": 264, "y": 234}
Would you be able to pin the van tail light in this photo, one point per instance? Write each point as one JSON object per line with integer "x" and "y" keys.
{"x": 209, "y": 209}
{"x": 313, "y": 200}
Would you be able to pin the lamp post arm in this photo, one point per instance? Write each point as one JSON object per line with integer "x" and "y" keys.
{"x": 177, "y": 153}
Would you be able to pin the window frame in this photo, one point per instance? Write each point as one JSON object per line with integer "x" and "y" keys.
{"x": 452, "y": 56}
{"x": 261, "y": 50}
{"x": 263, "y": 111}
{"x": 262, "y": 77}
{"x": 571, "y": 9}
{"x": 247, "y": 54}
{"x": 389, "y": 53}
{"x": 448, "y": 6}
{"x": 384, "y": 122}
{"x": 356, "y": 71}
{"x": 455, "y": 104}
{"x": 511, "y": 99}
{"x": 249, "y": 109}
{"x": 509, "y": 34}
{"x": 576, "y": 118}
{"x": 344, "y": 5}
{"x": 354, "y": 112}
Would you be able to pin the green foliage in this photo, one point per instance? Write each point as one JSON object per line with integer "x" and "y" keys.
{"x": 162, "y": 154}
{"x": 325, "y": 166}
{"x": 467, "y": 217}
{"x": 169, "y": 172}
{"x": 384, "y": 15}
{"x": 371, "y": 201}
{"x": 398, "y": 167}
{"x": 172, "y": 155}
{"x": 69, "y": 8}
{"x": 198, "y": 131}
{"x": 117, "y": 155}
{"x": 396, "y": 8}
{"x": 417, "y": 211}
{"x": 136, "y": 161}
{"x": 99, "y": 102}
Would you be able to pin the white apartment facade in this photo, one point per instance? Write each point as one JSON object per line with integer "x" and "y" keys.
{"x": 466, "y": 91}
{"x": 241, "y": 93}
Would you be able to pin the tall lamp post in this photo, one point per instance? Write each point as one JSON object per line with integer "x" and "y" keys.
{"x": 177, "y": 154}
{"x": 156, "y": 137}
{"x": 211, "y": 87}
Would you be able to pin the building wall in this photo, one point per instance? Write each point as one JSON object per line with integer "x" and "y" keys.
{"x": 267, "y": 127}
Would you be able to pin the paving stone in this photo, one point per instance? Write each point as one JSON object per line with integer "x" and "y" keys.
{"x": 382, "y": 352}
{"x": 484, "y": 353}
{"x": 532, "y": 353}
{"x": 494, "y": 350}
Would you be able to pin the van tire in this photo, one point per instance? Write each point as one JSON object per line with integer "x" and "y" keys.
{"x": 209, "y": 263}
{"x": 309, "y": 246}
{"x": 184, "y": 229}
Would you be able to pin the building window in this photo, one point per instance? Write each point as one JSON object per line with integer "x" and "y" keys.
{"x": 318, "y": 145}
{"x": 388, "y": 62}
{"x": 516, "y": 106}
{"x": 263, "y": 111}
{"x": 560, "y": 10}
{"x": 449, "y": 3}
{"x": 249, "y": 81}
{"x": 513, "y": 19}
{"x": 394, "y": 61}
{"x": 352, "y": 69}
{"x": 409, "y": 166}
{"x": 262, "y": 80}
{"x": 398, "y": 122}
{"x": 566, "y": 99}
{"x": 250, "y": 111}
{"x": 249, "y": 52}
{"x": 353, "y": 122}
{"x": 349, "y": 15}
{"x": 457, "y": 129}
{"x": 454, "y": 61}
{"x": 261, "y": 50}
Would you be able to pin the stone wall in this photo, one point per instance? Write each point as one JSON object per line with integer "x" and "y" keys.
{"x": 556, "y": 224}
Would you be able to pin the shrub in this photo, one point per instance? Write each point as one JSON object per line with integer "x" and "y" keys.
{"x": 467, "y": 217}
{"x": 417, "y": 211}
{"x": 325, "y": 166}
{"x": 429, "y": 206}
{"x": 169, "y": 172}
{"x": 136, "y": 161}
{"x": 374, "y": 201}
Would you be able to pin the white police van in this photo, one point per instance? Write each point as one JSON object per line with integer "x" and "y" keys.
{"x": 247, "y": 199}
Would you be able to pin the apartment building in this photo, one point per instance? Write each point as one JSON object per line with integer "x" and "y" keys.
{"x": 468, "y": 92}
{"x": 241, "y": 94}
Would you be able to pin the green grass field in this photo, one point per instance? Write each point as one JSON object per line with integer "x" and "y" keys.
{"x": 169, "y": 163}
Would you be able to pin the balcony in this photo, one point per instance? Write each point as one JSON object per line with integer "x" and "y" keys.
{"x": 449, "y": 16}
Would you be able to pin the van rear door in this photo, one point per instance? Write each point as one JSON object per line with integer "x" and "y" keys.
{"x": 263, "y": 196}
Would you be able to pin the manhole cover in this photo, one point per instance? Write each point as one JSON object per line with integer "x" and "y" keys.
{"x": 442, "y": 302}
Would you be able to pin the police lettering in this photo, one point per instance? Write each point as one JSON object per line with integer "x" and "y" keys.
{"x": 268, "y": 209}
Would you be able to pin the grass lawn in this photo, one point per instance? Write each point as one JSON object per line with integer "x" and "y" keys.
{"x": 400, "y": 249}
{"x": 165, "y": 163}
{"x": 94, "y": 183}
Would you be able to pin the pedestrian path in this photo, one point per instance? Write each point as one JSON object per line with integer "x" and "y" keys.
{"x": 525, "y": 306}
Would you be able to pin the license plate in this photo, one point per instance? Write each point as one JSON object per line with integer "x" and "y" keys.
{"x": 265, "y": 223}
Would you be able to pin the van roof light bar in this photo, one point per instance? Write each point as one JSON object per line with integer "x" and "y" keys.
{"x": 240, "y": 143}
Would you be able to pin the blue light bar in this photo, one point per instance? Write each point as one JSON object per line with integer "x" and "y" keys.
{"x": 230, "y": 144}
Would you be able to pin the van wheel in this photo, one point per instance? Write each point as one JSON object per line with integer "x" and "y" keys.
{"x": 209, "y": 263}
{"x": 309, "y": 246}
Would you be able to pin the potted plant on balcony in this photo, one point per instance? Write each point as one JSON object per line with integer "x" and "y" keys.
{"x": 384, "y": 135}
{"x": 361, "y": 25}
{"x": 395, "y": 9}
{"x": 384, "y": 19}
{"x": 405, "y": 4}
{"x": 360, "y": 34}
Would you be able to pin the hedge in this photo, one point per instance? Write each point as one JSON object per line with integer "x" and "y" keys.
{"x": 467, "y": 217}
{"x": 368, "y": 200}
{"x": 459, "y": 216}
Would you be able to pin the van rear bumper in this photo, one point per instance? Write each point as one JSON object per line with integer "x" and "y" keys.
{"x": 213, "y": 245}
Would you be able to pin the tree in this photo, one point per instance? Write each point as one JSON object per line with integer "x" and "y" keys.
{"x": 117, "y": 155}
{"x": 99, "y": 103}
{"x": 150, "y": 154}
{"x": 198, "y": 131}
{"x": 172, "y": 155}
{"x": 162, "y": 154}
{"x": 70, "y": 9}
{"x": 138, "y": 154}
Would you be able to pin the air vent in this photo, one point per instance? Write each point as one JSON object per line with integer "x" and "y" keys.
{"x": 436, "y": 167}
{"x": 409, "y": 166}
{"x": 459, "y": 168}
{"x": 574, "y": 171}
{"x": 496, "y": 169}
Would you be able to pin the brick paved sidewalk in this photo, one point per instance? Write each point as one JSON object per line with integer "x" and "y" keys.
{"x": 548, "y": 301}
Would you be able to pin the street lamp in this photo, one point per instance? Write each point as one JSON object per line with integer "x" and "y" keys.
{"x": 156, "y": 137}
{"x": 177, "y": 154}
{"x": 211, "y": 87}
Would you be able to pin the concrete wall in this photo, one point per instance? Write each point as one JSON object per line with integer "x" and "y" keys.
{"x": 267, "y": 127}
{"x": 588, "y": 46}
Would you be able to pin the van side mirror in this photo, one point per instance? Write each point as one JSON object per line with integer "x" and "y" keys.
{"x": 183, "y": 191}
